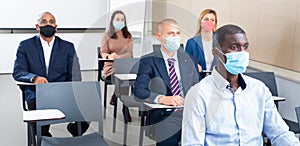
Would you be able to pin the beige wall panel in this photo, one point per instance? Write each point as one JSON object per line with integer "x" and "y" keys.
{"x": 223, "y": 8}
{"x": 271, "y": 26}
{"x": 245, "y": 14}
{"x": 296, "y": 60}
{"x": 182, "y": 3}
{"x": 179, "y": 10}
{"x": 276, "y": 31}
{"x": 266, "y": 56}
{"x": 158, "y": 13}
{"x": 296, "y": 51}
{"x": 196, "y": 6}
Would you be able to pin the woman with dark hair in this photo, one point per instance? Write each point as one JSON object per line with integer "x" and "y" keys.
{"x": 200, "y": 45}
{"x": 116, "y": 43}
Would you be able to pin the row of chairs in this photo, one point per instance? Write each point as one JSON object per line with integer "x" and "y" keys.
{"x": 124, "y": 66}
{"x": 121, "y": 66}
{"x": 108, "y": 82}
{"x": 53, "y": 92}
{"x": 76, "y": 95}
{"x": 82, "y": 102}
{"x": 267, "y": 78}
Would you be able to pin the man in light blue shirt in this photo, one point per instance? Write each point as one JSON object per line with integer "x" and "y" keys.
{"x": 229, "y": 108}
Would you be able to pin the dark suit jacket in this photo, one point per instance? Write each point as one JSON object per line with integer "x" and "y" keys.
{"x": 194, "y": 47}
{"x": 30, "y": 62}
{"x": 153, "y": 79}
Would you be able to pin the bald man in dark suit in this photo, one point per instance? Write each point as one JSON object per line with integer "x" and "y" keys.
{"x": 155, "y": 82}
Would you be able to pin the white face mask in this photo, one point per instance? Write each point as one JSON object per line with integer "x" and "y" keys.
{"x": 236, "y": 62}
{"x": 172, "y": 43}
{"x": 119, "y": 25}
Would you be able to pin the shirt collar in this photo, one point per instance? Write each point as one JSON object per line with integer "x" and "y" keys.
{"x": 242, "y": 82}
{"x": 166, "y": 56}
{"x": 43, "y": 42}
{"x": 222, "y": 83}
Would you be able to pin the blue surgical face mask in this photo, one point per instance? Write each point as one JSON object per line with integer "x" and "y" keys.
{"x": 236, "y": 62}
{"x": 119, "y": 25}
{"x": 172, "y": 43}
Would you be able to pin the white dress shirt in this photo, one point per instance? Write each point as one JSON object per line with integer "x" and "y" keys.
{"x": 176, "y": 66}
{"x": 47, "y": 48}
{"x": 214, "y": 115}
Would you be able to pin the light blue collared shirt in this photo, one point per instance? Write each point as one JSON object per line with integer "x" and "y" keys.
{"x": 213, "y": 115}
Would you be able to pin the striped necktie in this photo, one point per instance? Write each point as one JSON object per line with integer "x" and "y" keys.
{"x": 173, "y": 78}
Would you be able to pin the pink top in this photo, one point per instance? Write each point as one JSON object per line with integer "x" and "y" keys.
{"x": 121, "y": 46}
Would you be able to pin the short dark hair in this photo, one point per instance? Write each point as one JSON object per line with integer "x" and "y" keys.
{"x": 229, "y": 29}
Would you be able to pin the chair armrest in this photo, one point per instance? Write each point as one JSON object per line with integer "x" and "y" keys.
{"x": 277, "y": 98}
{"x": 105, "y": 60}
{"x": 22, "y": 86}
{"x": 40, "y": 115}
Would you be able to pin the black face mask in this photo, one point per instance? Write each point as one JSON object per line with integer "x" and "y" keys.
{"x": 47, "y": 31}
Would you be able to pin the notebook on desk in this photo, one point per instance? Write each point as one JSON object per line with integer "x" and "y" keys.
{"x": 157, "y": 105}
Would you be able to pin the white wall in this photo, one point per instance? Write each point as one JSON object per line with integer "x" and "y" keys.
{"x": 134, "y": 11}
{"x": 290, "y": 90}
{"x": 8, "y": 48}
{"x": 85, "y": 44}
{"x": 69, "y": 13}
{"x": 85, "y": 16}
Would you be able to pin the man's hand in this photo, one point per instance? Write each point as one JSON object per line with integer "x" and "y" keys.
{"x": 171, "y": 100}
{"x": 39, "y": 80}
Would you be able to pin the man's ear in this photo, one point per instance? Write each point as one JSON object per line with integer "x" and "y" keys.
{"x": 37, "y": 28}
{"x": 158, "y": 37}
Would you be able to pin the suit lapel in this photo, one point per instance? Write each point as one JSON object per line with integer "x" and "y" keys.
{"x": 201, "y": 51}
{"x": 161, "y": 67}
{"x": 40, "y": 54}
{"x": 184, "y": 69}
{"x": 53, "y": 54}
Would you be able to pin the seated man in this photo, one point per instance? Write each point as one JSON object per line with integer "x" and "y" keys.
{"x": 46, "y": 58}
{"x": 164, "y": 77}
{"x": 229, "y": 108}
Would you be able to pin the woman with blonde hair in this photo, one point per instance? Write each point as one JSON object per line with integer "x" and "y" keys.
{"x": 200, "y": 45}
